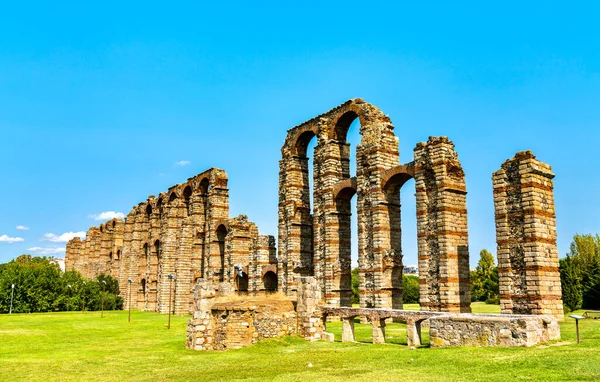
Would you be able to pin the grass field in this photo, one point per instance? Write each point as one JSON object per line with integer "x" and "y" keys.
{"x": 74, "y": 346}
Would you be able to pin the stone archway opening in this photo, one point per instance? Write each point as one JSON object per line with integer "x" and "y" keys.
{"x": 270, "y": 282}
{"x": 187, "y": 194}
{"x": 221, "y": 234}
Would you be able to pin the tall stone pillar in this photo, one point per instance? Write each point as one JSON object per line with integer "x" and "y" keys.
{"x": 331, "y": 222}
{"x": 442, "y": 233}
{"x": 526, "y": 237}
{"x": 379, "y": 256}
{"x": 295, "y": 222}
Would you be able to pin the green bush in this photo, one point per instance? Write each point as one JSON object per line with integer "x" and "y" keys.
{"x": 40, "y": 286}
{"x": 410, "y": 291}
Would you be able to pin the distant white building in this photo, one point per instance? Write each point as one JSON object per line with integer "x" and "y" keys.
{"x": 60, "y": 261}
{"x": 411, "y": 270}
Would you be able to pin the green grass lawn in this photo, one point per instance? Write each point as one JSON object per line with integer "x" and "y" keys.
{"x": 74, "y": 346}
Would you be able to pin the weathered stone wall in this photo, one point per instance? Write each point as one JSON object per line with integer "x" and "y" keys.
{"x": 222, "y": 323}
{"x": 492, "y": 330}
{"x": 526, "y": 237}
{"x": 442, "y": 233}
{"x": 185, "y": 232}
{"x": 318, "y": 243}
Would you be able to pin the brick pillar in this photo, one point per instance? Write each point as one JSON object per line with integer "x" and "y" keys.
{"x": 310, "y": 317}
{"x": 526, "y": 237}
{"x": 332, "y": 261}
{"x": 379, "y": 257}
{"x": 295, "y": 222}
{"x": 444, "y": 274}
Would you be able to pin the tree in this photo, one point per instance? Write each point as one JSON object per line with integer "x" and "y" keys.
{"x": 571, "y": 286}
{"x": 410, "y": 289}
{"x": 484, "y": 279}
{"x": 40, "y": 286}
{"x": 580, "y": 273}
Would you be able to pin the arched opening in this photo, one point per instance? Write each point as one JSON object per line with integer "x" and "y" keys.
{"x": 341, "y": 288}
{"x": 203, "y": 186}
{"x": 221, "y": 234}
{"x": 159, "y": 205}
{"x": 270, "y": 282}
{"x": 118, "y": 255}
{"x": 305, "y": 149}
{"x": 110, "y": 256}
{"x": 114, "y": 223}
{"x": 241, "y": 282}
{"x": 157, "y": 248}
{"x": 344, "y": 249}
{"x": 187, "y": 194}
{"x": 146, "y": 250}
{"x": 148, "y": 211}
{"x": 393, "y": 182}
{"x": 101, "y": 228}
{"x": 172, "y": 197}
{"x": 144, "y": 286}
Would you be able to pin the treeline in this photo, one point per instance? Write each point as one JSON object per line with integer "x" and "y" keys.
{"x": 40, "y": 286}
{"x": 580, "y": 273}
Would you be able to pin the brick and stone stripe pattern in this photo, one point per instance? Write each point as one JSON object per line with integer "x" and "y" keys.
{"x": 176, "y": 233}
{"x": 443, "y": 244}
{"x": 526, "y": 237}
{"x": 315, "y": 235}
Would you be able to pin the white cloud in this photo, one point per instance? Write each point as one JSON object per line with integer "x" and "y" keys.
{"x": 10, "y": 240}
{"x": 22, "y": 228}
{"x": 46, "y": 250}
{"x": 62, "y": 238}
{"x": 183, "y": 163}
{"x": 107, "y": 215}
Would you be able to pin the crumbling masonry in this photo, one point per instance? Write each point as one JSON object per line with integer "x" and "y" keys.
{"x": 185, "y": 232}
{"x": 526, "y": 237}
{"x": 318, "y": 243}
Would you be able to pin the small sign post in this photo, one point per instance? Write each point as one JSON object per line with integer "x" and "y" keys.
{"x": 12, "y": 294}
{"x": 577, "y": 318}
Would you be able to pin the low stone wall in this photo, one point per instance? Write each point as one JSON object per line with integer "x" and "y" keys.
{"x": 222, "y": 321}
{"x": 492, "y": 330}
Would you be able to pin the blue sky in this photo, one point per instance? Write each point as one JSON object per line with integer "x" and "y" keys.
{"x": 99, "y": 102}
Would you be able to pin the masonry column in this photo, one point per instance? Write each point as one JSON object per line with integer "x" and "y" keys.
{"x": 379, "y": 258}
{"x": 331, "y": 222}
{"x": 295, "y": 222}
{"x": 526, "y": 237}
{"x": 442, "y": 233}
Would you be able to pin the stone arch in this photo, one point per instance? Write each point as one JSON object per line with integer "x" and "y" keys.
{"x": 269, "y": 280}
{"x": 341, "y": 126}
{"x": 221, "y": 233}
{"x": 160, "y": 207}
{"x": 148, "y": 211}
{"x": 241, "y": 282}
{"x": 334, "y": 188}
{"x": 203, "y": 186}
{"x": 392, "y": 181}
{"x": 345, "y": 189}
{"x": 268, "y": 268}
{"x": 172, "y": 196}
{"x": 187, "y": 194}
{"x": 397, "y": 176}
